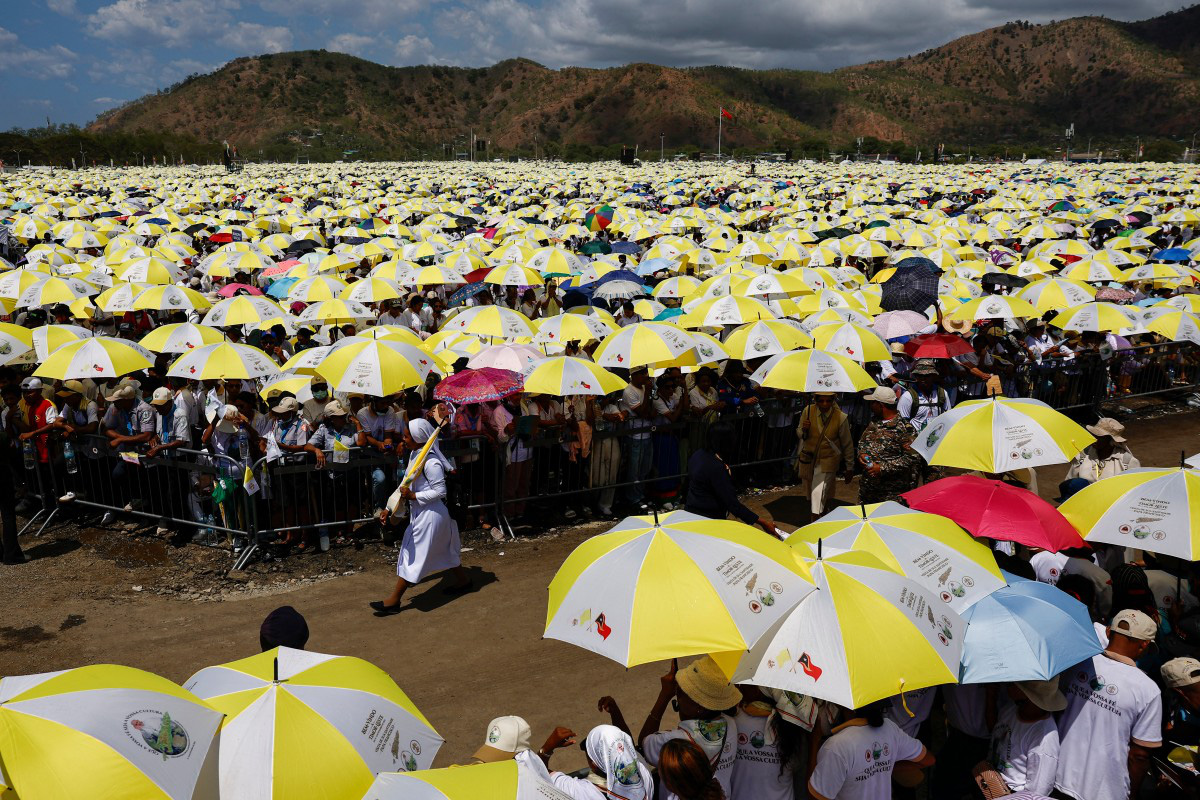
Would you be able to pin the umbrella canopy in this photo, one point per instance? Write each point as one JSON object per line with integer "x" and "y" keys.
{"x": 682, "y": 585}
{"x": 563, "y": 376}
{"x": 512, "y": 357}
{"x": 766, "y": 337}
{"x": 170, "y": 298}
{"x": 914, "y": 285}
{"x": 1001, "y": 434}
{"x": 494, "y": 321}
{"x": 242, "y": 310}
{"x": 503, "y": 780}
{"x": 895, "y": 324}
{"x": 812, "y": 371}
{"x": 375, "y": 367}
{"x": 1149, "y": 509}
{"x": 867, "y": 633}
{"x": 15, "y": 341}
{"x": 478, "y": 386}
{"x": 95, "y": 358}
{"x": 598, "y": 218}
{"x": 223, "y": 360}
{"x": 996, "y": 510}
{"x": 180, "y": 337}
{"x": 302, "y": 725}
{"x": 1025, "y": 631}
{"x": 563, "y": 328}
{"x": 643, "y": 343}
{"x": 937, "y": 345}
{"x": 1093, "y": 316}
{"x": 993, "y": 306}
{"x": 930, "y": 549}
{"x": 855, "y": 342}
{"x": 106, "y": 731}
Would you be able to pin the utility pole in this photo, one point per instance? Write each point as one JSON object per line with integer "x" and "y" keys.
{"x": 18, "y": 152}
{"x": 1069, "y": 135}
{"x": 662, "y": 148}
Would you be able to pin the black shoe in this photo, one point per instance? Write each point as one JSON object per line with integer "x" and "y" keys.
{"x": 385, "y": 611}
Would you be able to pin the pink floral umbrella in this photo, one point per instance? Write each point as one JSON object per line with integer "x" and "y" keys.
{"x": 478, "y": 386}
{"x": 230, "y": 289}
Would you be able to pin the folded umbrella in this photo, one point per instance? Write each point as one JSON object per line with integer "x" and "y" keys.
{"x": 996, "y": 510}
{"x": 1026, "y": 631}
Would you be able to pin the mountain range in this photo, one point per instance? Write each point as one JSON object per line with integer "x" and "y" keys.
{"x": 1019, "y": 83}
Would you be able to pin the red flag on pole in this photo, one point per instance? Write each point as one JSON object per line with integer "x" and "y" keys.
{"x": 726, "y": 114}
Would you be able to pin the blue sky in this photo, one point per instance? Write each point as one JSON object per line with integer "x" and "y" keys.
{"x": 71, "y": 59}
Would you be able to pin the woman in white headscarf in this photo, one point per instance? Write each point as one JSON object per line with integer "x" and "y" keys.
{"x": 617, "y": 773}
{"x": 431, "y": 542}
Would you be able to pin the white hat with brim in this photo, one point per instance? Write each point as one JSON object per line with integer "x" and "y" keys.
{"x": 1107, "y": 426}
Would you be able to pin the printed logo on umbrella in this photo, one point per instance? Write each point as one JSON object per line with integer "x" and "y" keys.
{"x": 157, "y": 732}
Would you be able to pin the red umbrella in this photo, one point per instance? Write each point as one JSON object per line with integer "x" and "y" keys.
{"x": 479, "y": 385}
{"x": 221, "y": 238}
{"x": 937, "y": 345}
{"x": 996, "y": 510}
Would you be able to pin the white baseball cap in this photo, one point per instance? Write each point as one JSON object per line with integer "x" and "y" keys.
{"x": 162, "y": 395}
{"x": 506, "y": 736}
{"x": 882, "y": 394}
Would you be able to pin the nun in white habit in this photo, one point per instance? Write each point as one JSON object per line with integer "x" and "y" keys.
{"x": 431, "y": 542}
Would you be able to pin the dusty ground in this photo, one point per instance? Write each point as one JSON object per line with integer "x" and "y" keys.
{"x": 109, "y": 596}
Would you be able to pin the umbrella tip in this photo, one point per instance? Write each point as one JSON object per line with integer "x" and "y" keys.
{"x": 275, "y": 667}
{"x": 819, "y": 545}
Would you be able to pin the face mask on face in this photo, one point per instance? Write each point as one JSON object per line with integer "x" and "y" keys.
{"x": 320, "y": 394}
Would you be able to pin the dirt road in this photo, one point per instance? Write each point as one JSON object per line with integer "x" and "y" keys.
{"x": 462, "y": 660}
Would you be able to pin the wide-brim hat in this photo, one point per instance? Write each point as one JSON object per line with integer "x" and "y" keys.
{"x": 705, "y": 683}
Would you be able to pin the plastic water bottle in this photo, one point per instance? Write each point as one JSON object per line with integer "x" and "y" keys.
{"x": 28, "y": 454}
{"x": 244, "y": 445}
{"x": 69, "y": 457}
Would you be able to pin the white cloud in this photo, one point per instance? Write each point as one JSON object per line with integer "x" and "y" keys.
{"x": 413, "y": 49}
{"x": 250, "y": 38}
{"x": 66, "y": 7}
{"x": 366, "y": 13}
{"x": 106, "y": 101}
{"x": 355, "y": 44}
{"x": 176, "y": 23}
{"x": 55, "y": 61}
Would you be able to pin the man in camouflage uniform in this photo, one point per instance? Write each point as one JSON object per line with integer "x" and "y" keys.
{"x": 890, "y": 467}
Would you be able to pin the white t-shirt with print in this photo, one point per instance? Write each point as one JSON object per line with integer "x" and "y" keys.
{"x": 1109, "y": 704}
{"x": 919, "y": 702}
{"x": 1024, "y": 753}
{"x": 717, "y": 738}
{"x": 856, "y": 763}
{"x": 756, "y": 769}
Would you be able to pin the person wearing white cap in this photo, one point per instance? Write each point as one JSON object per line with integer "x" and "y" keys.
{"x": 1113, "y": 717}
{"x": 890, "y": 467}
{"x": 128, "y": 424}
{"x": 1109, "y": 455}
{"x": 1181, "y": 678}
{"x": 1024, "y": 747}
{"x": 37, "y": 419}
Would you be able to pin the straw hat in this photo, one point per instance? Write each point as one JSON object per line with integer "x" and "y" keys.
{"x": 1107, "y": 426}
{"x": 706, "y": 684}
{"x": 1044, "y": 694}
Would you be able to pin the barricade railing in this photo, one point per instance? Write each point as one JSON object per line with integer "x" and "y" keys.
{"x": 207, "y": 493}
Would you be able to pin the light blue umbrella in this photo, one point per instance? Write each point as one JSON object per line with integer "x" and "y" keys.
{"x": 653, "y": 265}
{"x": 1025, "y": 631}
{"x": 279, "y": 289}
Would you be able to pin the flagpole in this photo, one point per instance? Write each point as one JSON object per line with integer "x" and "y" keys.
{"x": 720, "y": 124}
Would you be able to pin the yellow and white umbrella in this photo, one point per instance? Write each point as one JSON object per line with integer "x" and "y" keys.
{"x": 1001, "y": 434}
{"x": 677, "y": 286}
{"x": 15, "y": 341}
{"x": 372, "y": 290}
{"x": 1092, "y": 270}
{"x": 676, "y": 586}
{"x": 502, "y": 780}
{"x": 48, "y": 338}
{"x": 643, "y": 343}
{"x": 148, "y": 270}
{"x": 315, "y": 289}
{"x": 832, "y": 644}
{"x": 717, "y": 312}
{"x": 930, "y": 549}
{"x": 227, "y": 263}
{"x": 492, "y": 321}
{"x": 391, "y": 333}
{"x": 223, "y": 360}
{"x": 1055, "y": 294}
{"x": 106, "y": 731}
{"x": 563, "y": 376}
{"x": 855, "y": 342}
{"x": 301, "y": 725}
{"x": 334, "y": 311}
{"x": 180, "y": 337}
{"x": 119, "y": 298}
{"x": 1178, "y": 326}
{"x": 242, "y": 309}
{"x": 812, "y": 371}
{"x": 993, "y": 306}
{"x": 171, "y": 298}
{"x": 375, "y": 367}
{"x": 54, "y": 290}
{"x": 95, "y": 358}
{"x": 1094, "y": 316}
{"x": 765, "y": 338}
{"x": 1146, "y": 509}
{"x": 563, "y": 328}
{"x": 513, "y": 275}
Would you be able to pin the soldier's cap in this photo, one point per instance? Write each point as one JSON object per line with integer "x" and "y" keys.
{"x": 924, "y": 366}
{"x": 882, "y": 394}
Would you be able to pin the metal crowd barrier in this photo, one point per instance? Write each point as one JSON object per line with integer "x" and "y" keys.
{"x": 207, "y": 494}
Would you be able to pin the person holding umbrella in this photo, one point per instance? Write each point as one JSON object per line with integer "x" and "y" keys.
{"x": 431, "y": 543}
{"x": 826, "y": 450}
{"x": 1109, "y": 455}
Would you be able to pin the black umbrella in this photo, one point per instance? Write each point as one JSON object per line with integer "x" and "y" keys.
{"x": 1106, "y": 223}
{"x": 302, "y": 246}
{"x": 1004, "y": 279}
{"x": 913, "y": 287}
{"x": 199, "y": 226}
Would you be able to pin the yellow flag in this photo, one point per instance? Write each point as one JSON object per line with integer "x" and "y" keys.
{"x": 338, "y": 447}
{"x": 418, "y": 463}
{"x": 249, "y": 482}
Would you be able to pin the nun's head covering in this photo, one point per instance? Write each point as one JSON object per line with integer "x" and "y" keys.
{"x": 420, "y": 429}
{"x": 624, "y": 773}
